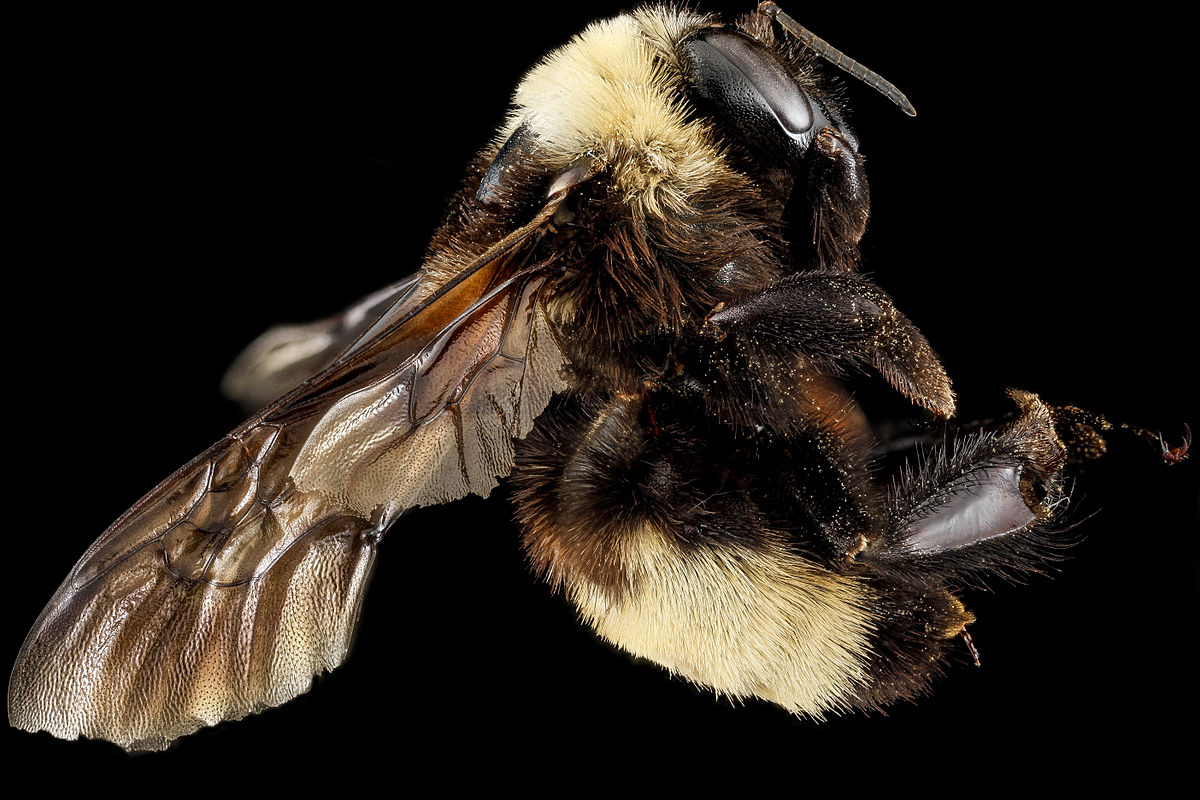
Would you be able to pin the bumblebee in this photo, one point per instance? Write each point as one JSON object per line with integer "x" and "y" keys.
{"x": 690, "y": 469}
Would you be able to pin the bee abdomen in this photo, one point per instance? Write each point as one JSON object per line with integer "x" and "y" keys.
{"x": 672, "y": 561}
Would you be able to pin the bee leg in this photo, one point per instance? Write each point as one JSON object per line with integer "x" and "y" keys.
{"x": 977, "y": 506}
{"x": 970, "y": 643}
{"x": 1176, "y": 454}
{"x": 834, "y": 322}
{"x": 1085, "y": 434}
{"x": 979, "y": 501}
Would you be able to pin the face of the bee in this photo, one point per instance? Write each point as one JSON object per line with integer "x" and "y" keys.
{"x": 206, "y": 202}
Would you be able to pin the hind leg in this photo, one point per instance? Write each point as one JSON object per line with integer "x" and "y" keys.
{"x": 710, "y": 552}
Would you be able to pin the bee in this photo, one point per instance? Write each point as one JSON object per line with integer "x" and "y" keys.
{"x": 646, "y": 365}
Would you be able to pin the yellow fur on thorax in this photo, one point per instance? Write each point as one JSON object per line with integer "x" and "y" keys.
{"x": 614, "y": 94}
{"x": 744, "y": 621}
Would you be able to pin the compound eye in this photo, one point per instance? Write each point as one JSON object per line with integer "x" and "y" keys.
{"x": 746, "y": 83}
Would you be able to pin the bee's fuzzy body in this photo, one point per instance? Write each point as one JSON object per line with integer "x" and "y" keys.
{"x": 945, "y": 241}
{"x": 704, "y": 494}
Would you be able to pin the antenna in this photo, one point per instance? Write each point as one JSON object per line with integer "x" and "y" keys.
{"x": 837, "y": 57}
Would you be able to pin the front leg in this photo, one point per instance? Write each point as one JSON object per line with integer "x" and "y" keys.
{"x": 826, "y": 323}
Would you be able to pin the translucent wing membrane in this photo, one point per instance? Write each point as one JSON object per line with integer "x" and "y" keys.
{"x": 220, "y": 594}
{"x": 442, "y": 424}
{"x": 286, "y": 355}
{"x": 240, "y": 577}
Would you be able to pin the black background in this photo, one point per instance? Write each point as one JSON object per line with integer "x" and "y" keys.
{"x": 184, "y": 182}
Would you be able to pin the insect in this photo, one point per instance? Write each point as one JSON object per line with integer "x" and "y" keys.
{"x": 657, "y": 425}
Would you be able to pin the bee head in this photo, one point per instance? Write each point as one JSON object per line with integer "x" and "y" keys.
{"x": 782, "y": 127}
{"x": 669, "y": 110}
{"x": 752, "y": 95}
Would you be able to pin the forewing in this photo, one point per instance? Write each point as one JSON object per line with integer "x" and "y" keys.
{"x": 235, "y": 581}
{"x": 286, "y": 355}
{"x": 219, "y": 594}
{"x": 442, "y": 424}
